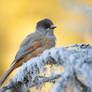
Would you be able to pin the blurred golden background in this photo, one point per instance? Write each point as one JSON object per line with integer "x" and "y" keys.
{"x": 18, "y": 18}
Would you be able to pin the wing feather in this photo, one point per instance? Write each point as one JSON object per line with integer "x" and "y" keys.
{"x": 29, "y": 44}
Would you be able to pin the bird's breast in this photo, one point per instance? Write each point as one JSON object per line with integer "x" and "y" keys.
{"x": 48, "y": 43}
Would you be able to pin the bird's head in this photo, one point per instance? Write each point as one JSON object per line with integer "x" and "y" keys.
{"x": 45, "y": 26}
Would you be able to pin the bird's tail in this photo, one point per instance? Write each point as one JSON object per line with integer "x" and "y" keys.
{"x": 7, "y": 74}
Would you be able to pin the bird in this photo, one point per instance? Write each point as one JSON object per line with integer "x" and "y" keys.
{"x": 33, "y": 45}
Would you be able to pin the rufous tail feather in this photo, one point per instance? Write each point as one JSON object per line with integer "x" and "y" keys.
{"x": 7, "y": 74}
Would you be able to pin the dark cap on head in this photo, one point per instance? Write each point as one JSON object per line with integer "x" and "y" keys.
{"x": 45, "y": 23}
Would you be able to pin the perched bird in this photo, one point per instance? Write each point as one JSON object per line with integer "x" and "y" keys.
{"x": 34, "y": 44}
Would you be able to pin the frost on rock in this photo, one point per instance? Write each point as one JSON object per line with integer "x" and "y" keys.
{"x": 71, "y": 66}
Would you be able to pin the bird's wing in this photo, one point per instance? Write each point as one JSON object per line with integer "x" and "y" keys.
{"x": 29, "y": 44}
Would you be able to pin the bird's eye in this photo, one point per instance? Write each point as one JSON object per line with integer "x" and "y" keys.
{"x": 46, "y": 26}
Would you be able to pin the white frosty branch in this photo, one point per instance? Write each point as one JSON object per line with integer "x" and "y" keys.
{"x": 76, "y": 60}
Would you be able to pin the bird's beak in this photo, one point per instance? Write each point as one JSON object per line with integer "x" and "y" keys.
{"x": 52, "y": 27}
